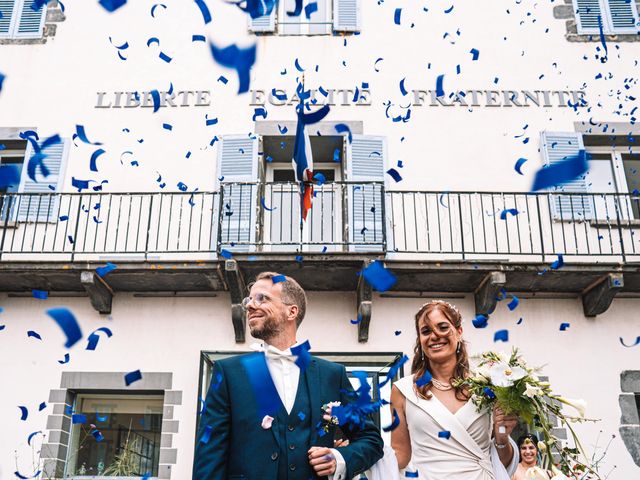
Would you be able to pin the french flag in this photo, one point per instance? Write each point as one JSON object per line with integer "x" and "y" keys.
{"x": 302, "y": 158}
{"x": 303, "y": 164}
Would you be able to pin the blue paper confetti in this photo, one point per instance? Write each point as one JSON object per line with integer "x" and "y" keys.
{"x": 394, "y": 174}
{"x": 564, "y": 326}
{"x": 559, "y": 263}
{"x": 475, "y": 54}
{"x": 132, "y": 377}
{"x": 9, "y": 176}
{"x": 396, "y": 16}
{"x": 439, "y": 87}
{"x": 80, "y": 132}
{"x": 65, "y": 360}
{"x": 481, "y": 321}
{"x": 513, "y": 304}
{"x": 489, "y": 393}
{"x": 112, "y": 5}
{"x": 259, "y": 112}
{"x": 94, "y": 337}
{"x": 40, "y": 294}
{"x": 78, "y": 418}
{"x": 518, "y": 166}
{"x": 155, "y": 96}
{"x": 206, "y": 434}
{"x": 343, "y": 127}
{"x": 379, "y": 277}
{"x": 239, "y": 59}
{"x": 68, "y": 323}
{"x": 637, "y": 342}
{"x": 394, "y": 422}
{"x": 94, "y": 157}
{"x": 310, "y": 8}
{"x": 226, "y": 254}
{"x": 561, "y": 172}
{"x": 264, "y": 205}
{"x": 403, "y": 90}
{"x": 33, "y": 334}
{"x": 198, "y": 38}
{"x": 445, "y": 433}
{"x": 31, "y": 435}
{"x": 153, "y": 9}
{"x": 206, "y": 14}
{"x": 303, "y": 357}
{"x": 278, "y": 278}
{"x": 24, "y": 412}
{"x": 508, "y": 211}
{"x": 501, "y": 336}
{"x": 42, "y": 406}
{"x": 424, "y": 379}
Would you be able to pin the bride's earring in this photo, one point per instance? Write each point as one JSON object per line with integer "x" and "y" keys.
{"x": 422, "y": 355}
{"x": 458, "y": 347}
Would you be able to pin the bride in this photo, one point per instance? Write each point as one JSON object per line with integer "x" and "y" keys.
{"x": 440, "y": 431}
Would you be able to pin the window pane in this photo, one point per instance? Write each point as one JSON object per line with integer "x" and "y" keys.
{"x": 131, "y": 428}
{"x": 631, "y": 164}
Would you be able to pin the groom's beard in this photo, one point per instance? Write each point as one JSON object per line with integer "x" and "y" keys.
{"x": 270, "y": 328}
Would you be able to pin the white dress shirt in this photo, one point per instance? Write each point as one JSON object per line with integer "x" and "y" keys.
{"x": 286, "y": 376}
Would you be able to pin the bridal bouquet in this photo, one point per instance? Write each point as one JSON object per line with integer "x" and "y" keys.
{"x": 507, "y": 381}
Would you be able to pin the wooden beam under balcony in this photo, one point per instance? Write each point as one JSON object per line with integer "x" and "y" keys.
{"x": 486, "y": 295}
{"x": 100, "y": 293}
{"x": 237, "y": 289}
{"x": 597, "y": 298}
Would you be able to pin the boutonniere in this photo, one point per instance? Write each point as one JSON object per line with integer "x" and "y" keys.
{"x": 266, "y": 422}
{"x": 327, "y": 419}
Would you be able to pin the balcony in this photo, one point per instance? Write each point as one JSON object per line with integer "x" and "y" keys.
{"x": 206, "y": 242}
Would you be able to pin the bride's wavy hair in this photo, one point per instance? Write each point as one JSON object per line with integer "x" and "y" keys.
{"x": 421, "y": 363}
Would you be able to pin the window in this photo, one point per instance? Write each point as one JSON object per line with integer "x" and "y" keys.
{"x": 130, "y": 426}
{"x": 615, "y": 16}
{"x": 19, "y": 20}
{"x": 261, "y": 207}
{"x": 330, "y": 16}
{"x": 12, "y": 154}
{"x": 615, "y": 171}
{"x": 612, "y": 181}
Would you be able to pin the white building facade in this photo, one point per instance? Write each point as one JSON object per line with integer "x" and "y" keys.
{"x": 465, "y": 101}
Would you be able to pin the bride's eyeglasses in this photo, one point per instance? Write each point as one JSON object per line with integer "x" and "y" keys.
{"x": 442, "y": 329}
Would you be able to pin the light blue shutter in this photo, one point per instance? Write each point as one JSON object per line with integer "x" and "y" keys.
{"x": 366, "y": 163}
{"x": 237, "y": 176}
{"x": 31, "y": 22}
{"x": 43, "y": 205}
{"x": 623, "y": 15}
{"x": 346, "y": 15}
{"x": 556, "y": 147}
{"x": 7, "y": 10}
{"x": 587, "y": 13}
{"x": 265, "y": 23}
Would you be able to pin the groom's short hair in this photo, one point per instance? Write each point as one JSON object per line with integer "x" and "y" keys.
{"x": 292, "y": 293}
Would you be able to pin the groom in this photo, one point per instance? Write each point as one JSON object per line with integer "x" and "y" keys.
{"x": 263, "y": 413}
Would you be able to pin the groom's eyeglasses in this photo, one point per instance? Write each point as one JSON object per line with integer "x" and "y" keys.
{"x": 258, "y": 299}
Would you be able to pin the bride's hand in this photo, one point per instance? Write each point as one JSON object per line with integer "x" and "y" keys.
{"x": 508, "y": 422}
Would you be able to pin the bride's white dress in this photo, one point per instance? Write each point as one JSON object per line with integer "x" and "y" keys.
{"x": 469, "y": 454}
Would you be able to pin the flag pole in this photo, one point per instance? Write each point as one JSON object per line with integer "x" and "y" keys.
{"x": 301, "y": 186}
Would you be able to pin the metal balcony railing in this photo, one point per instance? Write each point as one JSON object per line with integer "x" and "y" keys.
{"x": 346, "y": 217}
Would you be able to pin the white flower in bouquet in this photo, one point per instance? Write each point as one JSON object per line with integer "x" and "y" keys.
{"x": 536, "y": 473}
{"x": 503, "y": 375}
{"x": 579, "y": 404}
{"x": 533, "y": 391}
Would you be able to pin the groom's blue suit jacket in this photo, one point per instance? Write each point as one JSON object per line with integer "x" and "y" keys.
{"x": 239, "y": 448}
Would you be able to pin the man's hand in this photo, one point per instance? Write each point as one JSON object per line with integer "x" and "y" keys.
{"x": 322, "y": 461}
